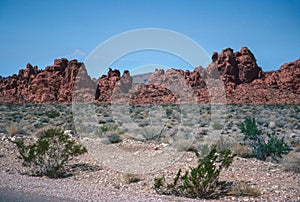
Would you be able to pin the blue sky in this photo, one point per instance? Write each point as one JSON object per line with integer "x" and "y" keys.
{"x": 38, "y": 31}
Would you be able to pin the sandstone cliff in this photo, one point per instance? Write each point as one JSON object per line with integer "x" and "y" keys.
{"x": 242, "y": 79}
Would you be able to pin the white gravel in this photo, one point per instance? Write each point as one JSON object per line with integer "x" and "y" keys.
{"x": 70, "y": 190}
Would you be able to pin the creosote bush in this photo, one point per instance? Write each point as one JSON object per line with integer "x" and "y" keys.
{"x": 48, "y": 155}
{"x": 262, "y": 147}
{"x": 198, "y": 182}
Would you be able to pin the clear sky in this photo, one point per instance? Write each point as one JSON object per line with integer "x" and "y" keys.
{"x": 38, "y": 31}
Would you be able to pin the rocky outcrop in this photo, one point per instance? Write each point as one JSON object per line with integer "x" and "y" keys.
{"x": 232, "y": 77}
{"x": 239, "y": 67}
{"x": 54, "y": 84}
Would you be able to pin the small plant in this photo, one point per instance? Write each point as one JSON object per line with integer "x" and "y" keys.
{"x": 52, "y": 114}
{"x": 198, "y": 182}
{"x": 250, "y": 130}
{"x": 223, "y": 144}
{"x": 262, "y": 148}
{"x": 274, "y": 148}
{"x": 151, "y": 133}
{"x": 108, "y": 127}
{"x": 169, "y": 112}
{"x": 48, "y": 155}
{"x": 244, "y": 189}
{"x": 98, "y": 132}
{"x": 242, "y": 151}
{"x": 217, "y": 126}
{"x": 184, "y": 145}
{"x": 131, "y": 178}
{"x": 12, "y": 130}
{"x": 114, "y": 138}
{"x": 204, "y": 149}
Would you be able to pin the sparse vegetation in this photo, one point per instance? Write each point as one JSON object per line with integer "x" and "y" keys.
{"x": 131, "y": 178}
{"x": 114, "y": 138}
{"x": 108, "y": 127}
{"x": 244, "y": 189}
{"x": 217, "y": 126}
{"x": 242, "y": 151}
{"x": 169, "y": 112}
{"x": 184, "y": 145}
{"x": 12, "y": 130}
{"x": 48, "y": 155}
{"x": 262, "y": 147}
{"x": 52, "y": 114}
{"x": 198, "y": 182}
{"x": 151, "y": 133}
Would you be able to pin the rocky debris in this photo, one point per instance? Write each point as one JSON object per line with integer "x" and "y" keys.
{"x": 243, "y": 81}
{"x": 270, "y": 179}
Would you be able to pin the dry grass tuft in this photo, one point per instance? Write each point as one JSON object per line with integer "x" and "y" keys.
{"x": 291, "y": 162}
{"x": 183, "y": 145}
{"x": 242, "y": 151}
{"x": 131, "y": 178}
{"x": 244, "y": 189}
{"x": 12, "y": 130}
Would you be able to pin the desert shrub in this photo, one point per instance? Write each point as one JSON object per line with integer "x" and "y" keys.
{"x": 250, "y": 130}
{"x": 12, "y": 130}
{"x": 262, "y": 147}
{"x": 291, "y": 162}
{"x": 131, "y": 178}
{"x": 198, "y": 182}
{"x": 225, "y": 143}
{"x": 244, "y": 189}
{"x": 98, "y": 132}
{"x": 114, "y": 138}
{"x": 217, "y": 126}
{"x": 243, "y": 151}
{"x": 48, "y": 155}
{"x": 273, "y": 147}
{"x": 151, "y": 133}
{"x": 204, "y": 149}
{"x": 52, "y": 114}
{"x": 169, "y": 112}
{"x": 108, "y": 127}
{"x": 184, "y": 145}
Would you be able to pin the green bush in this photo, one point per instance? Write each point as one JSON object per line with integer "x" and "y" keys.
{"x": 262, "y": 147}
{"x": 250, "y": 129}
{"x": 198, "y": 182}
{"x": 169, "y": 112}
{"x": 114, "y": 138}
{"x": 48, "y": 155}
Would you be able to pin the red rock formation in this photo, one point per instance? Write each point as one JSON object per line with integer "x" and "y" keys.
{"x": 241, "y": 79}
{"x": 52, "y": 85}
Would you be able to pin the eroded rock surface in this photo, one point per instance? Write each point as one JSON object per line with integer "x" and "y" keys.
{"x": 242, "y": 81}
